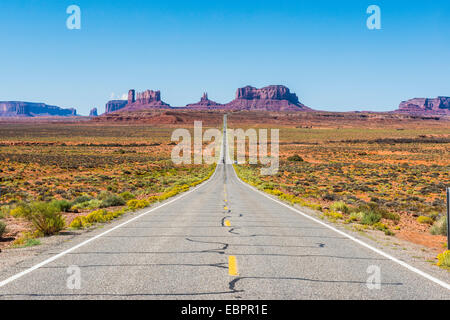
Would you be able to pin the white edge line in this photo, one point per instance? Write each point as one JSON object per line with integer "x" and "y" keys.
{"x": 362, "y": 243}
{"x": 61, "y": 254}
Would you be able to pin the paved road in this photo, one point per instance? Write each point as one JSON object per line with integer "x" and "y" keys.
{"x": 182, "y": 251}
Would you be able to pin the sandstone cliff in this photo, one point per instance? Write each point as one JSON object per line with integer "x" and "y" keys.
{"x": 439, "y": 105}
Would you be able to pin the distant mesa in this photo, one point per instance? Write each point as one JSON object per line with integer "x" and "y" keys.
{"x": 205, "y": 103}
{"x": 437, "y": 106}
{"x": 115, "y": 105}
{"x": 93, "y": 113}
{"x": 148, "y": 99}
{"x": 32, "y": 109}
{"x": 271, "y": 98}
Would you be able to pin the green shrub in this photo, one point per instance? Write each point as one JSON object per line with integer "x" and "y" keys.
{"x": 104, "y": 195}
{"x": 375, "y": 207}
{"x": 340, "y": 206}
{"x": 2, "y": 228}
{"x": 27, "y": 239}
{"x": 267, "y": 186}
{"x": 390, "y": 216}
{"x": 112, "y": 201}
{"x": 22, "y": 210}
{"x": 371, "y": 213}
{"x": 313, "y": 206}
{"x": 440, "y": 227}
{"x": 88, "y": 205}
{"x": 4, "y": 211}
{"x": 425, "y": 220}
{"x": 295, "y": 158}
{"x": 382, "y": 227}
{"x": 370, "y": 217}
{"x": 127, "y": 196}
{"x": 32, "y": 242}
{"x": 62, "y": 205}
{"x": 46, "y": 218}
{"x": 81, "y": 199}
{"x": 356, "y": 216}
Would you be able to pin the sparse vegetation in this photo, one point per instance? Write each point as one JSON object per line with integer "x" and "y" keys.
{"x": 370, "y": 217}
{"x": 45, "y": 217}
{"x": 27, "y": 239}
{"x": 340, "y": 206}
{"x": 444, "y": 259}
{"x": 425, "y": 220}
{"x": 2, "y": 228}
{"x": 378, "y": 174}
{"x": 295, "y": 158}
{"x": 127, "y": 196}
{"x": 58, "y": 175}
{"x": 440, "y": 227}
{"x": 137, "y": 204}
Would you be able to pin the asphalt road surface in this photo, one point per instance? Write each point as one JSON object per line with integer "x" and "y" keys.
{"x": 223, "y": 240}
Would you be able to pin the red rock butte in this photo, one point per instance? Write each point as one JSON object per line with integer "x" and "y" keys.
{"x": 205, "y": 103}
{"x": 271, "y": 98}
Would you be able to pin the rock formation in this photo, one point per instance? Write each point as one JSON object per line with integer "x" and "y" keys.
{"x": 205, "y": 103}
{"x": 32, "y": 109}
{"x": 271, "y": 98}
{"x": 131, "y": 96}
{"x": 439, "y": 105}
{"x": 148, "y": 99}
{"x": 115, "y": 105}
{"x": 93, "y": 113}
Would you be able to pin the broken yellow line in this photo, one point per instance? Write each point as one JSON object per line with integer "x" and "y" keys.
{"x": 232, "y": 266}
{"x": 227, "y": 223}
{"x": 225, "y": 208}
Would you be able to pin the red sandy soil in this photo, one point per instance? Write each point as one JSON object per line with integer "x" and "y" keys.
{"x": 410, "y": 229}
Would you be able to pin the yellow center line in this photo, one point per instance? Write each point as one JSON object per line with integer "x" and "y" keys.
{"x": 227, "y": 223}
{"x": 232, "y": 266}
{"x": 225, "y": 208}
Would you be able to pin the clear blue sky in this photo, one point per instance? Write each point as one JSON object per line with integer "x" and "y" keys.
{"x": 320, "y": 49}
